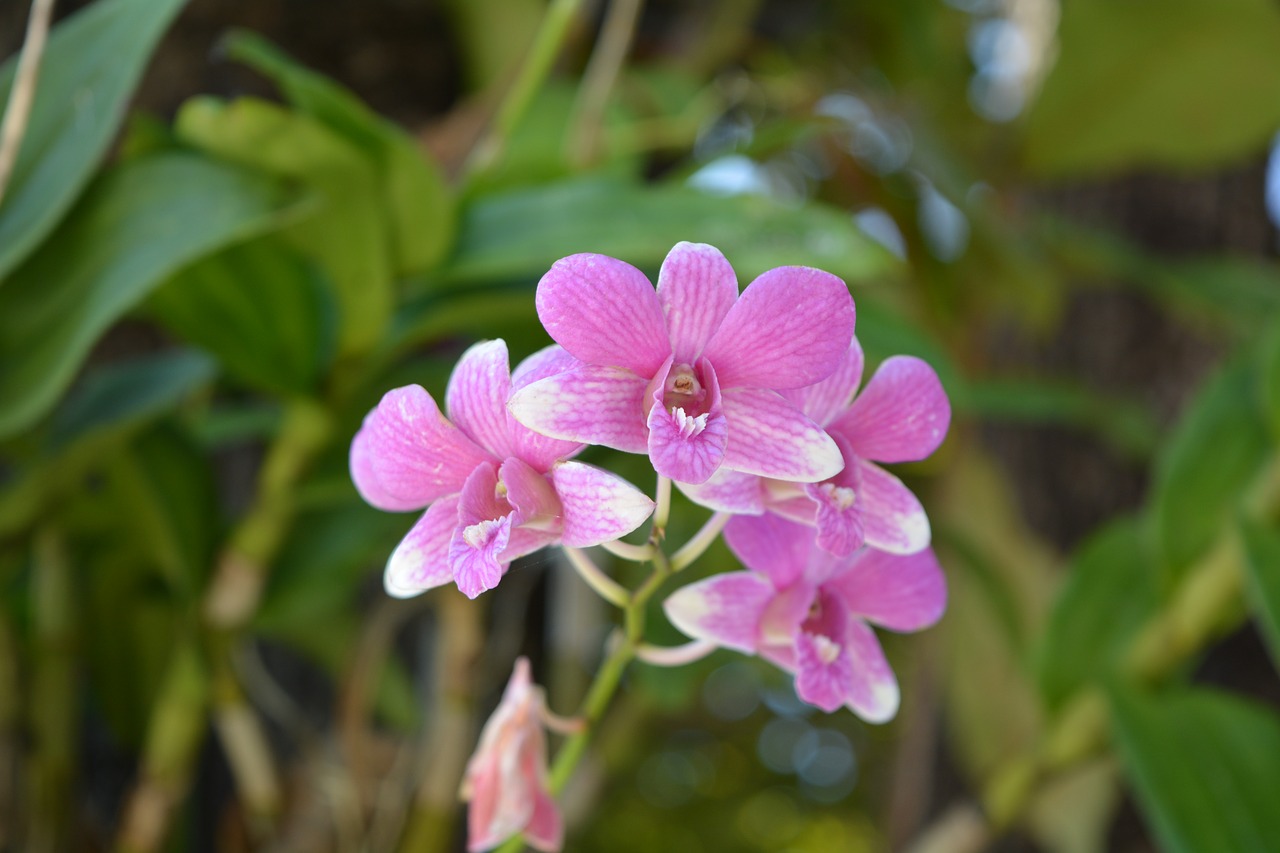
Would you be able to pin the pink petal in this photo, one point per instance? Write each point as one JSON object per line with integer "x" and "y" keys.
{"x": 839, "y": 520}
{"x": 824, "y": 400}
{"x": 725, "y": 609}
{"x": 408, "y": 454}
{"x": 728, "y": 491}
{"x": 529, "y": 493}
{"x": 479, "y": 499}
{"x": 604, "y": 312}
{"x": 686, "y": 448}
{"x": 545, "y": 830}
{"x": 475, "y": 555}
{"x": 901, "y": 416}
{"x": 539, "y": 450}
{"x": 901, "y": 593}
{"x": 788, "y": 329}
{"x": 696, "y": 289}
{"x": 824, "y": 671}
{"x": 421, "y": 560}
{"x": 771, "y": 545}
{"x": 547, "y": 361}
{"x": 476, "y": 398}
{"x": 873, "y": 693}
{"x": 770, "y": 437}
{"x": 892, "y": 517}
{"x": 524, "y": 541}
{"x": 597, "y": 506}
{"x": 596, "y": 405}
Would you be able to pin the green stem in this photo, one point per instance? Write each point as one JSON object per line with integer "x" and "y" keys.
{"x": 599, "y": 78}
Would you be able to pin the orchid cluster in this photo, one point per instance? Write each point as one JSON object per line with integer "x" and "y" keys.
{"x": 749, "y": 404}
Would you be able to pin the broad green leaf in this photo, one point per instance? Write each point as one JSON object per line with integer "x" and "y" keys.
{"x": 1269, "y": 379}
{"x": 1174, "y": 83}
{"x": 1207, "y": 466}
{"x": 1205, "y": 766}
{"x": 91, "y": 64}
{"x": 420, "y": 203}
{"x": 519, "y": 234}
{"x": 136, "y": 226}
{"x": 1110, "y": 590}
{"x": 1262, "y": 566}
{"x": 347, "y": 233}
{"x": 260, "y": 308}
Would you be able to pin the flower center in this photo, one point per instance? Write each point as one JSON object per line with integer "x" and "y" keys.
{"x": 689, "y": 425}
{"x": 682, "y": 389}
{"x": 478, "y": 535}
{"x": 828, "y": 650}
{"x": 842, "y": 497}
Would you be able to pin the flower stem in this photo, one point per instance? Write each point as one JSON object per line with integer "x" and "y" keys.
{"x": 699, "y": 542}
{"x": 598, "y": 80}
{"x": 675, "y": 655}
{"x": 23, "y": 91}
{"x": 661, "y": 510}
{"x": 605, "y": 587}
{"x": 627, "y": 551}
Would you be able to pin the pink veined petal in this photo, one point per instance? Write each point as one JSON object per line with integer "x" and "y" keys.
{"x": 696, "y": 288}
{"x": 770, "y": 437}
{"x": 597, "y": 506}
{"x": 411, "y": 452}
{"x": 901, "y": 416}
{"x": 604, "y": 312}
{"x": 547, "y": 361}
{"x": 366, "y": 481}
{"x": 596, "y": 405}
{"x": 479, "y": 500}
{"x": 545, "y": 830}
{"x": 539, "y": 450}
{"x": 421, "y": 560}
{"x": 728, "y": 491}
{"x": 529, "y": 493}
{"x": 788, "y": 329}
{"x": 901, "y": 593}
{"x": 824, "y": 400}
{"x": 771, "y": 545}
{"x": 725, "y": 609}
{"x": 686, "y": 448}
{"x": 838, "y": 518}
{"x": 873, "y": 694}
{"x": 892, "y": 518}
{"x": 824, "y": 671}
{"x": 476, "y": 398}
{"x": 476, "y": 554}
{"x": 524, "y": 541}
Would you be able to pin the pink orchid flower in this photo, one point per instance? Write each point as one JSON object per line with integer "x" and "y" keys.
{"x": 810, "y": 612}
{"x": 494, "y": 489}
{"x": 506, "y": 779}
{"x": 690, "y": 373}
{"x": 901, "y": 415}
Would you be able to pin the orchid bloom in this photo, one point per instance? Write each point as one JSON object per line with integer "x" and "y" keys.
{"x": 506, "y": 778}
{"x": 690, "y": 373}
{"x": 901, "y": 415}
{"x": 494, "y": 489}
{"x": 810, "y": 612}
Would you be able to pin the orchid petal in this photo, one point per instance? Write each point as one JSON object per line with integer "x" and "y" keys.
{"x": 421, "y": 560}
{"x": 475, "y": 554}
{"x": 901, "y": 416}
{"x": 892, "y": 517}
{"x": 824, "y": 671}
{"x": 901, "y": 593}
{"x": 838, "y": 519}
{"x": 479, "y": 499}
{"x": 770, "y": 437}
{"x": 545, "y": 830}
{"x": 788, "y": 329}
{"x": 597, "y": 405}
{"x": 696, "y": 289}
{"x": 476, "y": 398}
{"x": 873, "y": 693}
{"x": 547, "y": 361}
{"x": 824, "y": 401}
{"x": 597, "y": 506}
{"x": 604, "y": 312}
{"x": 686, "y": 448}
{"x": 771, "y": 545}
{"x": 528, "y": 493}
{"x": 728, "y": 491}
{"x": 408, "y": 454}
{"x": 540, "y": 451}
{"x": 725, "y": 609}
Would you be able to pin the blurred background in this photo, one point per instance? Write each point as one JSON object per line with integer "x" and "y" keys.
{"x": 232, "y": 225}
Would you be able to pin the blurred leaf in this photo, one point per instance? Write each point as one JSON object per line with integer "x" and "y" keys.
{"x": 1109, "y": 592}
{"x": 260, "y": 308}
{"x": 1173, "y": 83}
{"x": 1262, "y": 566}
{"x": 519, "y": 234}
{"x": 126, "y": 392}
{"x": 137, "y": 225}
{"x": 1269, "y": 379}
{"x": 347, "y": 233}
{"x": 1205, "y": 765}
{"x": 420, "y": 203}
{"x": 1207, "y": 466}
{"x": 91, "y": 63}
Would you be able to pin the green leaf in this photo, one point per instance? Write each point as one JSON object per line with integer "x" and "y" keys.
{"x": 519, "y": 234}
{"x": 422, "y": 216}
{"x": 1205, "y": 766}
{"x": 91, "y": 64}
{"x": 1262, "y": 567}
{"x": 1173, "y": 83}
{"x": 1207, "y": 466}
{"x": 1269, "y": 378}
{"x": 137, "y": 225}
{"x": 348, "y": 231}
{"x": 259, "y": 307}
{"x": 1109, "y": 592}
